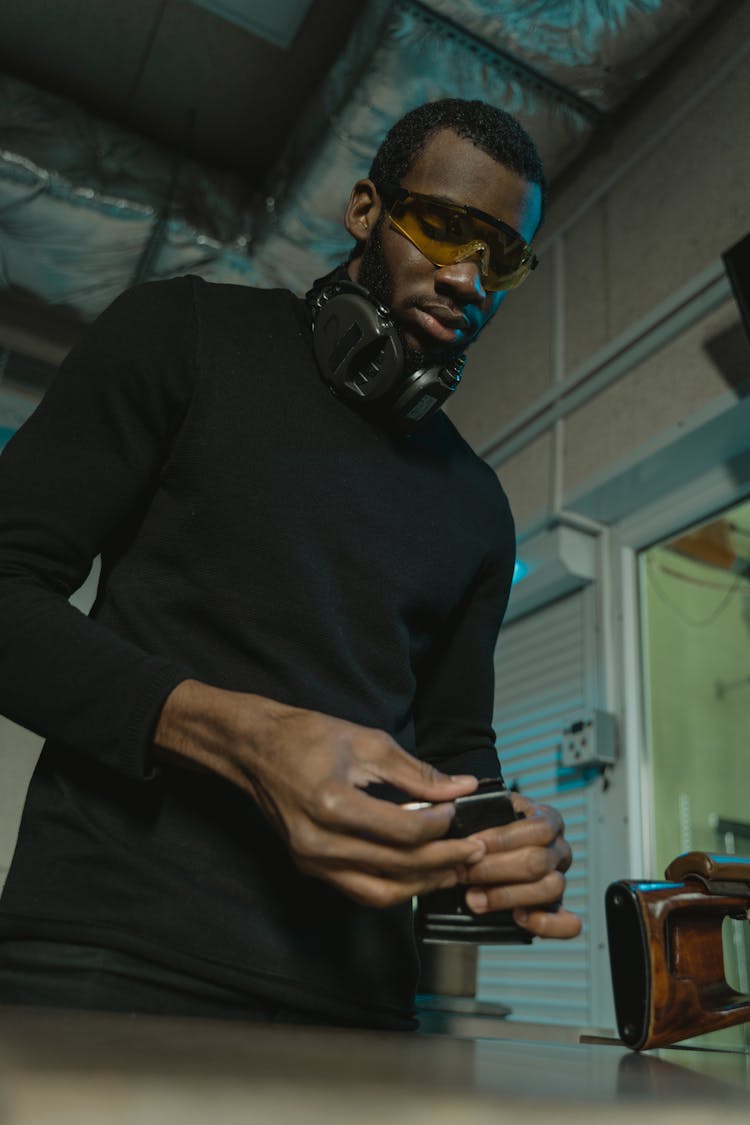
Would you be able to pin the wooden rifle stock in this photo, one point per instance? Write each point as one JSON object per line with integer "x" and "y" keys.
{"x": 666, "y": 951}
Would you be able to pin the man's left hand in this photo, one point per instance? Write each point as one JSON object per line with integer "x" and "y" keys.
{"x": 523, "y": 870}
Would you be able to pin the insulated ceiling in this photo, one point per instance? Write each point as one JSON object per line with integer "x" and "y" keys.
{"x": 93, "y": 198}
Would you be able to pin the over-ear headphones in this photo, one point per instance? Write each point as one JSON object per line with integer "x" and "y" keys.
{"x": 361, "y": 357}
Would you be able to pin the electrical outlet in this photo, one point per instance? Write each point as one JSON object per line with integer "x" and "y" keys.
{"x": 590, "y": 742}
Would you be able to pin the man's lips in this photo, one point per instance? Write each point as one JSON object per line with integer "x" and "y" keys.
{"x": 439, "y": 322}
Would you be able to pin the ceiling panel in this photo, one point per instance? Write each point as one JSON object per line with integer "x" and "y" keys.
{"x": 177, "y": 73}
{"x": 278, "y": 21}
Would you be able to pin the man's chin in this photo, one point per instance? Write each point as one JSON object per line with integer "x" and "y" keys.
{"x": 423, "y": 351}
{"x": 417, "y": 357}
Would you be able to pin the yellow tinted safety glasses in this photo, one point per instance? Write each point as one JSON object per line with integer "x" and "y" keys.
{"x": 447, "y": 233}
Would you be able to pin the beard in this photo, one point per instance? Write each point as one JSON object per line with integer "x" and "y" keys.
{"x": 375, "y": 276}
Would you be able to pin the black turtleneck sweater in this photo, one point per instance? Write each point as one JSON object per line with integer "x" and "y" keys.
{"x": 257, "y": 534}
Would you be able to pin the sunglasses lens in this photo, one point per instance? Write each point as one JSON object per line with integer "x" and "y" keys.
{"x": 446, "y": 234}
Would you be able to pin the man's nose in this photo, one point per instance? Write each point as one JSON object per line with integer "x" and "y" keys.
{"x": 464, "y": 279}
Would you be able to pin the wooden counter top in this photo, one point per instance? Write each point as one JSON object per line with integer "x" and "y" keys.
{"x": 74, "y": 1068}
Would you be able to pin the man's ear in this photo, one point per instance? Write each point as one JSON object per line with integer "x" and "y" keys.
{"x": 363, "y": 211}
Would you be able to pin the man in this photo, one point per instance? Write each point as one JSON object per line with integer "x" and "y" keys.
{"x": 299, "y": 602}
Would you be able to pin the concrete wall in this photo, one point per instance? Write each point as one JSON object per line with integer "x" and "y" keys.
{"x": 663, "y": 193}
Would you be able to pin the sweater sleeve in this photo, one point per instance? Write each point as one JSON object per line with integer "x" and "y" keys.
{"x": 455, "y": 699}
{"x": 84, "y": 462}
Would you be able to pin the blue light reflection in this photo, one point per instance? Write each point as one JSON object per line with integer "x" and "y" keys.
{"x": 520, "y": 570}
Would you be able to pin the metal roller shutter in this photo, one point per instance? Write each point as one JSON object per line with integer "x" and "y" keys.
{"x": 545, "y": 669}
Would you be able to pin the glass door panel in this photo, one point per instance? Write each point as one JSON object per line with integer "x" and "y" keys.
{"x": 695, "y": 604}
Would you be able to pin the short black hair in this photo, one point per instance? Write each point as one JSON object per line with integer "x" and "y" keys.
{"x": 493, "y": 130}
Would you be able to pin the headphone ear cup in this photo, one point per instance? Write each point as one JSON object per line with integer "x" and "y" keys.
{"x": 361, "y": 357}
{"x": 356, "y": 346}
{"x": 423, "y": 393}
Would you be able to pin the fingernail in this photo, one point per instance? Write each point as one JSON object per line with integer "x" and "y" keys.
{"x": 476, "y": 901}
{"x": 477, "y": 854}
{"x": 521, "y": 916}
{"x": 448, "y": 881}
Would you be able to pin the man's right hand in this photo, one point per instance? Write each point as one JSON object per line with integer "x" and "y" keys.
{"x": 307, "y": 772}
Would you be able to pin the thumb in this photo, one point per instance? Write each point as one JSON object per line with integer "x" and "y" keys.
{"x": 420, "y": 779}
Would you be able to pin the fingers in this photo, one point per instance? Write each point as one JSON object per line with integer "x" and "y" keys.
{"x": 540, "y": 826}
{"x": 376, "y": 836}
{"x": 522, "y": 865}
{"x": 559, "y": 923}
{"x": 526, "y": 850}
{"x": 544, "y": 892}
{"x": 523, "y": 871}
{"x": 381, "y": 891}
{"x": 534, "y": 907}
{"x": 316, "y": 849}
{"x": 377, "y": 875}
